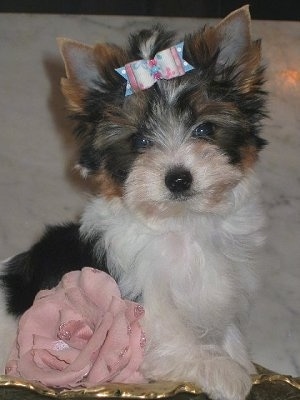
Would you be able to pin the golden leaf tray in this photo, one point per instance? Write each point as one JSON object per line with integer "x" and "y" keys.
{"x": 267, "y": 385}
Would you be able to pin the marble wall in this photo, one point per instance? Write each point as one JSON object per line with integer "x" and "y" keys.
{"x": 37, "y": 186}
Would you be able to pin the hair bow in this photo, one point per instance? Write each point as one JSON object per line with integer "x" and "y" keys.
{"x": 166, "y": 64}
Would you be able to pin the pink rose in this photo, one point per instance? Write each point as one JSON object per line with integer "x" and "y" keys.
{"x": 80, "y": 333}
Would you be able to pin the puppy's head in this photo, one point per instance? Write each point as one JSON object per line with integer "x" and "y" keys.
{"x": 182, "y": 144}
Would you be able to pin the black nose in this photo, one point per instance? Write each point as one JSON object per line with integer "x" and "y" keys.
{"x": 178, "y": 180}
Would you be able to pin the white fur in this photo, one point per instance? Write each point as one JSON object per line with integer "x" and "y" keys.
{"x": 8, "y": 328}
{"x": 195, "y": 273}
{"x": 146, "y": 47}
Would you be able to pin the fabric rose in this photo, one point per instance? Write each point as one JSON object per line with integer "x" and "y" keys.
{"x": 81, "y": 333}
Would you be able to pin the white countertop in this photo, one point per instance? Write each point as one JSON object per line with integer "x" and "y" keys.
{"x": 36, "y": 186}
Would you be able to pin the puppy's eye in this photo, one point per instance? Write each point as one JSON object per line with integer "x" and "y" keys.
{"x": 140, "y": 142}
{"x": 204, "y": 130}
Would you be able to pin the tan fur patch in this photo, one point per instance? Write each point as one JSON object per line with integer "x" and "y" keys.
{"x": 249, "y": 157}
{"x": 116, "y": 116}
{"x": 107, "y": 186}
{"x": 217, "y": 111}
{"x": 73, "y": 91}
{"x": 101, "y": 59}
{"x": 74, "y": 94}
{"x": 203, "y": 45}
{"x": 226, "y": 180}
{"x": 109, "y": 56}
{"x": 248, "y": 78}
{"x": 219, "y": 191}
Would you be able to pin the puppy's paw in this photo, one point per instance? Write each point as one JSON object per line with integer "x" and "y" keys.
{"x": 225, "y": 379}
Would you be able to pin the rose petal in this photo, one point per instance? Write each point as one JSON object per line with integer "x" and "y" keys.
{"x": 44, "y": 293}
{"x": 99, "y": 287}
{"x": 69, "y": 378}
{"x": 68, "y": 313}
{"x": 40, "y": 319}
{"x": 134, "y": 311}
{"x": 112, "y": 354}
{"x": 135, "y": 359}
{"x": 93, "y": 346}
{"x": 57, "y": 348}
{"x": 122, "y": 352}
{"x": 11, "y": 368}
{"x": 79, "y": 300}
{"x": 47, "y": 361}
{"x": 69, "y": 280}
{"x": 75, "y": 333}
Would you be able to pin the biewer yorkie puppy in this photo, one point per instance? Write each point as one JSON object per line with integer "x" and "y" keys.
{"x": 169, "y": 131}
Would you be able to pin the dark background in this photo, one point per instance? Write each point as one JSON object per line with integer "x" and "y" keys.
{"x": 260, "y": 9}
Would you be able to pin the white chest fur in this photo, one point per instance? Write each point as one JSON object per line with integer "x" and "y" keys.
{"x": 202, "y": 267}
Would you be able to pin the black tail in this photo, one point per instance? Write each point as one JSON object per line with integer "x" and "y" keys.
{"x": 60, "y": 250}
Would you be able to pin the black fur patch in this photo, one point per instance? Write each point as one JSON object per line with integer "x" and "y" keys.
{"x": 59, "y": 251}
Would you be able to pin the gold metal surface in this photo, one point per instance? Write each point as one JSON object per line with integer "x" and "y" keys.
{"x": 155, "y": 390}
{"x": 259, "y": 379}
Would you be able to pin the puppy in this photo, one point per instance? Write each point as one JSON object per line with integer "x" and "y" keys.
{"x": 178, "y": 221}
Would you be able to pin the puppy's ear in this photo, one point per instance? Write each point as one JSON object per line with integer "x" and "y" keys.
{"x": 228, "y": 48}
{"x": 224, "y": 44}
{"x": 236, "y": 49}
{"x": 89, "y": 69}
{"x": 234, "y": 36}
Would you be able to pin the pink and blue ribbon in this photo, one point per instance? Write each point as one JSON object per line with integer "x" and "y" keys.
{"x": 166, "y": 64}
